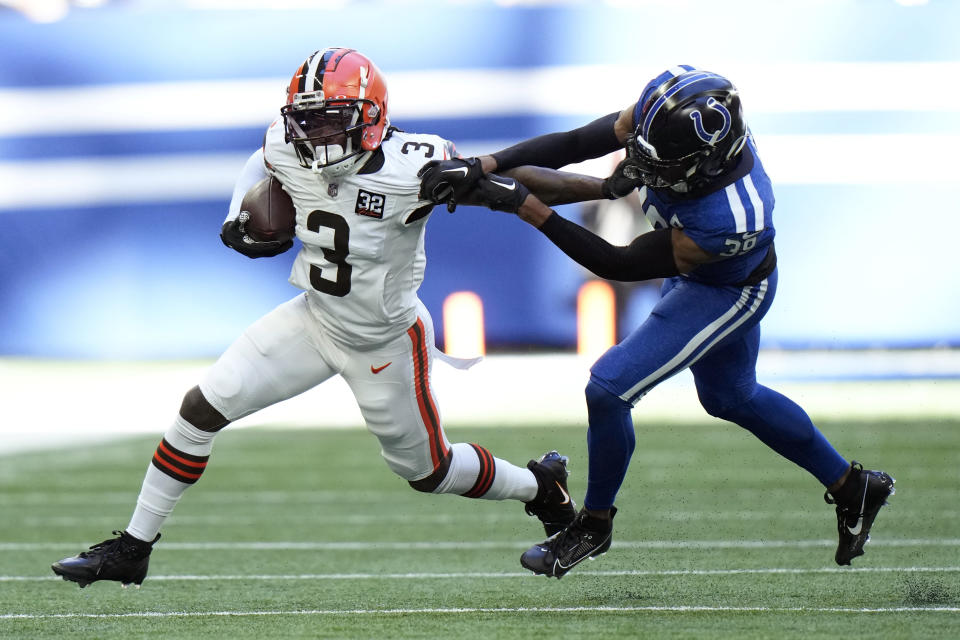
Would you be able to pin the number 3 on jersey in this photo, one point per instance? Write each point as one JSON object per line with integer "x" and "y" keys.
{"x": 337, "y": 255}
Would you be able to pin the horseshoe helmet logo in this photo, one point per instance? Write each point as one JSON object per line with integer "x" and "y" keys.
{"x": 712, "y": 137}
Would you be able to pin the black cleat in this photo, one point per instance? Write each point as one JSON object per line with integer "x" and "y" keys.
{"x": 124, "y": 559}
{"x": 552, "y": 503}
{"x": 586, "y": 537}
{"x": 858, "y": 508}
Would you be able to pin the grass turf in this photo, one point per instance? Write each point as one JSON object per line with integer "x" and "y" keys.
{"x": 716, "y": 537}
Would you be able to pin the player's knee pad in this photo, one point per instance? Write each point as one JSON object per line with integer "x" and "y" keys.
{"x": 197, "y": 411}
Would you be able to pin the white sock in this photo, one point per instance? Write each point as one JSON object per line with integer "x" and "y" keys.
{"x": 178, "y": 462}
{"x": 475, "y": 473}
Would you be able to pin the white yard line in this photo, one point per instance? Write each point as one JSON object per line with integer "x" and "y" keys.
{"x": 466, "y": 545}
{"x": 511, "y": 574}
{"x": 378, "y": 521}
{"x": 459, "y": 610}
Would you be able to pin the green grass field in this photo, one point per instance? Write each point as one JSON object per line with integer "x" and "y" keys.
{"x": 307, "y": 534}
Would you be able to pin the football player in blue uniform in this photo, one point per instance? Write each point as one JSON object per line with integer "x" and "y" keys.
{"x": 710, "y": 202}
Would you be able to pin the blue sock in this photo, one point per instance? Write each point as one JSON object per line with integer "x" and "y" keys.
{"x": 781, "y": 424}
{"x": 610, "y": 444}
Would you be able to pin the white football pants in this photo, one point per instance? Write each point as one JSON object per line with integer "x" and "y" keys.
{"x": 285, "y": 353}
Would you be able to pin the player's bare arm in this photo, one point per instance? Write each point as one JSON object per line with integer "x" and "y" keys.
{"x": 553, "y": 187}
{"x": 623, "y": 127}
{"x": 656, "y": 254}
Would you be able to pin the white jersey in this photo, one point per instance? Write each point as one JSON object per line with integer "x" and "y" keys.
{"x": 362, "y": 259}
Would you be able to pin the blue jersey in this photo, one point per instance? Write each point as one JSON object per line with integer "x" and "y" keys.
{"x": 735, "y": 222}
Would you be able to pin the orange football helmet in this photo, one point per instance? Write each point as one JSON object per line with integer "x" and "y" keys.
{"x": 336, "y": 111}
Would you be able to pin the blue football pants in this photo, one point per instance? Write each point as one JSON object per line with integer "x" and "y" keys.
{"x": 715, "y": 332}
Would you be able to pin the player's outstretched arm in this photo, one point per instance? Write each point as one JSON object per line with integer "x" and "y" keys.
{"x": 656, "y": 254}
{"x": 534, "y": 162}
{"x": 557, "y": 187}
{"x": 555, "y": 150}
{"x": 455, "y": 182}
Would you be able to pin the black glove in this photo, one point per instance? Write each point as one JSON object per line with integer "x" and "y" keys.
{"x": 499, "y": 193}
{"x": 626, "y": 177}
{"x": 448, "y": 180}
{"x": 234, "y": 236}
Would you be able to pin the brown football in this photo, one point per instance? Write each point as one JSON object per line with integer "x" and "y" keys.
{"x": 271, "y": 211}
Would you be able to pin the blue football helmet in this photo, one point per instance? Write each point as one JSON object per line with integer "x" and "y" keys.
{"x": 689, "y": 129}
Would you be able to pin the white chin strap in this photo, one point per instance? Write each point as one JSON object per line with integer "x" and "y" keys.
{"x": 340, "y": 168}
{"x": 327, "y": 154}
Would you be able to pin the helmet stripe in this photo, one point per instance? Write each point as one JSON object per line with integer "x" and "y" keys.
{"x": 317, "y": 65}
{"x": 296, "y": 82}
{"x": 662, "y": 100}
{"x": 364, "y": 79}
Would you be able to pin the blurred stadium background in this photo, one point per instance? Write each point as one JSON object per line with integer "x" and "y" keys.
{"x": 123, "y": 125}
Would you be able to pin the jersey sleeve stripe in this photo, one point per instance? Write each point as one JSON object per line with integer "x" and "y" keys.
{"x": 756, "y": 202}
{"x": 737, "y": 208}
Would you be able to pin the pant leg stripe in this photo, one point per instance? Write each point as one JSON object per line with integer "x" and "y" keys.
{"x": 428, "y": 410}
{"x": 748, "y": 303}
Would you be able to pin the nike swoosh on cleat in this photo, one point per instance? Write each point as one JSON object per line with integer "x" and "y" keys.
{"x": 462, "y": 170}
{"x": 571, "y": 565}
{"x": 376, "y": 370}
{"x": 566, "y": 496}
{"x": 855, "y": 531}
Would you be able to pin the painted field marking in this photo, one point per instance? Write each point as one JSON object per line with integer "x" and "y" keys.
{"x": 513, "y": 574}
{"x": 354, "y": 612}
{"x": 458, "y": 546}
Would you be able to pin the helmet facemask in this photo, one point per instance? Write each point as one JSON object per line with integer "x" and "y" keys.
{"x": 661, "y": 173}
{"x": 686, "y": 173}
{"x": 327, "y": 136}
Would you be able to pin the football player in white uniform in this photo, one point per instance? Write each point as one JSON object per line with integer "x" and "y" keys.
{"x": 353, "y": 180}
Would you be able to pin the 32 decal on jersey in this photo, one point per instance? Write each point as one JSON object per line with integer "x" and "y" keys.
{"x": 370, "y": 204}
